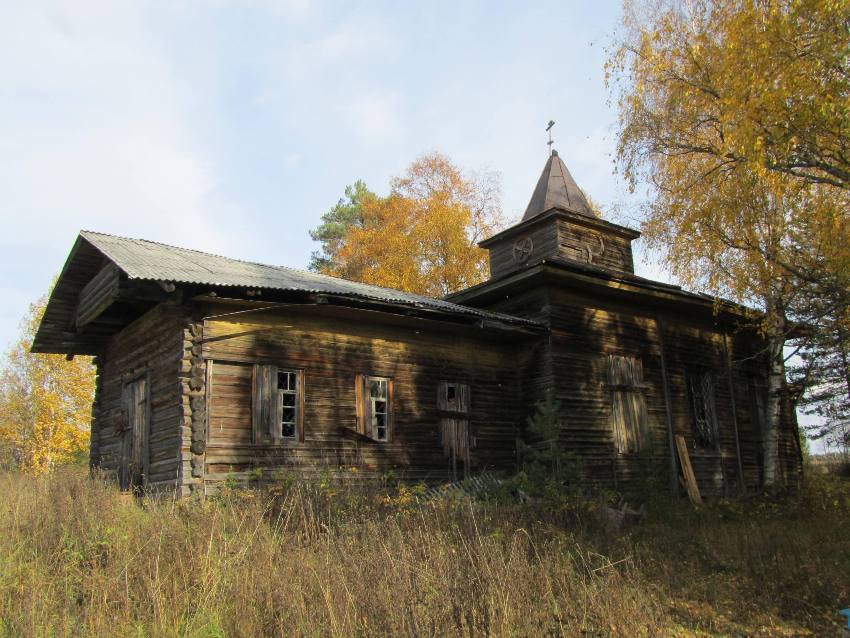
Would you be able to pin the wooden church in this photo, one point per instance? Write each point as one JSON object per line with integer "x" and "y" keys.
{"x": 211, "y": 368}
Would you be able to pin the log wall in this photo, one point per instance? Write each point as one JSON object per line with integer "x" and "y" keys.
{"x": 585, "y": 330}
{"x": 151, "y": 345}
{"x": 544, "y": 243}
{"x": 97, "y": 295}
{"x": 200, "y": 375}
{"x": 331, "y": 352}
{"x": 582, "y": 244}
{"x": 565, "y": 239}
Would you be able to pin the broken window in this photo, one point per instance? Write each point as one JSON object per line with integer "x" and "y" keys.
{"x": 287, "y": 390}
{"x": 701, "y": 390}
{"x": 628, "y": 404}
{"x": 453, "y": 397}
{"x": 278, "y": 399}
{"x": 374, "y": 407}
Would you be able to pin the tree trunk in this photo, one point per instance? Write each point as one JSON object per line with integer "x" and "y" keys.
{"x": 843, "y": 434}
{"x": 775, "y": 378}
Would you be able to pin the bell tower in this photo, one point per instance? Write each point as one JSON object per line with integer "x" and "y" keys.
{"x": 560, "y": 225}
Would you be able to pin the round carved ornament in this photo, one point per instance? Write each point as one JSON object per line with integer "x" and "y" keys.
{"x": 522, "y": 249}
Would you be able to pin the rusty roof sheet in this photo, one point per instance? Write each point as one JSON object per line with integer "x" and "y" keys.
{"x": 143, "y": 259}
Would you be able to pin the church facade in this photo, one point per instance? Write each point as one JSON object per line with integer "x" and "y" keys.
{"x": 210, "y": 368}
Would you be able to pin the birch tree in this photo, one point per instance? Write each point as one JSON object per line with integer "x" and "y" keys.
{"x": 735, "y": 114}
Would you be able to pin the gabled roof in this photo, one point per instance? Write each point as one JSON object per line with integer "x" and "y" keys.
{"x": 556, "y": 188}
{"x": 142, "y": 260}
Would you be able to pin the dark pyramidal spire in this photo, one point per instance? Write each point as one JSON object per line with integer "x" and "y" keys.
{"x": 556, "y": 188}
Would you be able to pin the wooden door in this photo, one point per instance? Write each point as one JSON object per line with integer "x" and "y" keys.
{"x": 135, "y": 456}
{"x": 453, "y": 403}
{"x": 454, "y": 434}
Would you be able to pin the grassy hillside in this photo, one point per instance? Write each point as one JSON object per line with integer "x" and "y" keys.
{"x": 77, "y": 558}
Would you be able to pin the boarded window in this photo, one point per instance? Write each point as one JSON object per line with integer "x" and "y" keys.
{"x": 628, "y": 404}
{"x": 278, "y": 404}
{"x": 701, "y": 391}
{"x": 374, "y": 405}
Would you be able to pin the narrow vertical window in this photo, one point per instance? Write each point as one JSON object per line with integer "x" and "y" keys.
{"x": 287, "y": 390}
{"x": 628, "y": 404}
{"x": 379, "y": 403}
{"x": 703, "y": 412}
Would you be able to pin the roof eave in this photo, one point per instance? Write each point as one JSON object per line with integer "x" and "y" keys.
{"x": 610, "y": 282}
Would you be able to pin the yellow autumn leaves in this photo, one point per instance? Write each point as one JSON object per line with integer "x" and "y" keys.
{"x": 423, "y": 236}
{"x": 737, "y": 114}
{"x": 45, "y": 404}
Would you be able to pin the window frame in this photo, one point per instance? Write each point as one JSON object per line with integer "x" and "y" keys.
{"x": 460, "y": 403}
{"x": 366, "y": 414}
{"x": 267, "y": 408}
{"x": 292, "y": 376}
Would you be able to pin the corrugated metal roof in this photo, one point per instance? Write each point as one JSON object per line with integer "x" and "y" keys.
{"x": 143, "y": 259}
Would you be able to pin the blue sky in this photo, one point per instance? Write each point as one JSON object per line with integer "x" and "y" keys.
{"x": 232, "y": 125}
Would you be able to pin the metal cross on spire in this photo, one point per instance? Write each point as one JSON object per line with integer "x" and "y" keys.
{"x": 549, "y": 130}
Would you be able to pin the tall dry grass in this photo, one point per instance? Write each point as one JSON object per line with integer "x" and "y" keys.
{"x": 78, "y": 559}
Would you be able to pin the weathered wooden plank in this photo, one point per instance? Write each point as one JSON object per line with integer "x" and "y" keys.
{"x": 330, "y": 355}
{"x": 687, "y": 471}
{"x": 97, "y": 295}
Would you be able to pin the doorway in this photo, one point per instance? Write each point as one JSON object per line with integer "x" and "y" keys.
{"x": 135, "y": 456}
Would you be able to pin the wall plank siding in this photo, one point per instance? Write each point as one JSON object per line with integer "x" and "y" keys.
{"x": 585, "y": 245}
{"x": 150, "y": 345}
{"x": 201, "y": 370}
{"x": 544, "y": 238}
{"x": 564, "y": 239}
{"x": 585, "y": 329}
{"x": 331, "y": 353}
{"x": 97, "y": 295}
